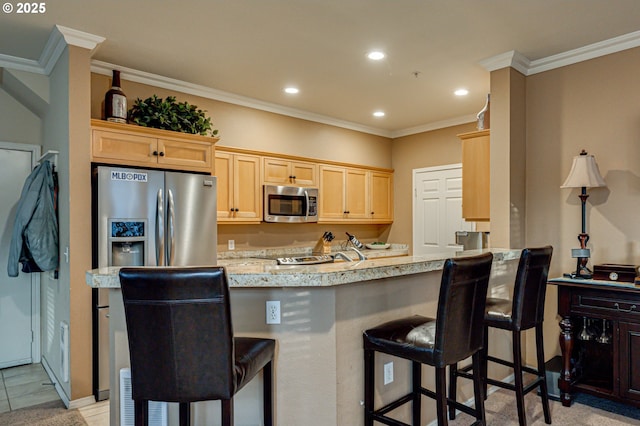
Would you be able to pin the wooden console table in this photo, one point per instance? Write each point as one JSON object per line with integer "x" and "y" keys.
{"x": 604, "y": 360}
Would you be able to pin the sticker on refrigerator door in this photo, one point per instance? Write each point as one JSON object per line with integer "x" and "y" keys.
{"x": 129, "y": 176}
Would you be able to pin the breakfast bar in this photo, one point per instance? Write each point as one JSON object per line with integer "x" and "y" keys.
{"x": 324, "y": 309}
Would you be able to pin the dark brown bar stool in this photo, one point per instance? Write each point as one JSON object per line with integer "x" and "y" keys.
{"x": 524, "y": 312}
{"x": 181, "y": 342}
{"x": 455, "y": 334}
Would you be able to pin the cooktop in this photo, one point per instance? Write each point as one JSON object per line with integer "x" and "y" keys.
{"x": 306, "y": 259}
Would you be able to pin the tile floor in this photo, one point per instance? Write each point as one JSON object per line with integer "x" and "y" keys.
{"x": 28, "y": 385}
{"x": 24, "y": 386}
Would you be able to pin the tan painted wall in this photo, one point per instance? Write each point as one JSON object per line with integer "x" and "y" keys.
{"x": 428, "y": 149}
{"x": 243, "y": 127}
{"x": 594, "y": 106}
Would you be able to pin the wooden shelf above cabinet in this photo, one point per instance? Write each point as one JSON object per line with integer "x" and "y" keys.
{"x": 132, "y": 145}
{"x": 476, "y": 189}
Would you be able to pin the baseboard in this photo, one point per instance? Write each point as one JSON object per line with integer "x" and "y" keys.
{"x": 61, "y": 393}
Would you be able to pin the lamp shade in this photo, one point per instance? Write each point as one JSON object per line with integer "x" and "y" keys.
{"x": 584, "y": 172}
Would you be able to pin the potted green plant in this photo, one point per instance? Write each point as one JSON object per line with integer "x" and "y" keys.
{"x": 168, "y": 114}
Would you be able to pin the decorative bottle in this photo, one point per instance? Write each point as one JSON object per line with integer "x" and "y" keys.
{"x": 354, "y": 240}
{"x": 115, "y": 101}
{"x": 484, "y": 115}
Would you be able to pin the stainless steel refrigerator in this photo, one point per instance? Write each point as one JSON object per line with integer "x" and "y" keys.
{"x": 146, "y": 218}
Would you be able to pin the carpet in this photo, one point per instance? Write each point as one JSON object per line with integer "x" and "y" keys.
{"x": 500, "y": 408}
{"x": 48, "y": 414}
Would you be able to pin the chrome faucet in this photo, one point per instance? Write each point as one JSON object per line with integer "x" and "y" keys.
{"x": 342, "y": 256}
{"x": 360, "y": 255}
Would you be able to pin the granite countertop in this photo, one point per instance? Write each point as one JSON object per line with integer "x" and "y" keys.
{"x": 254, "y": 272}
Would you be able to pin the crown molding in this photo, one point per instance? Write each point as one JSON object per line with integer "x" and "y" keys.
{"x": 58, "y": 40}
{"x": 434, "y": 126}
{"x": 513, "y": 59}
{"x": 21, "y": 64}
{"x": 591, "y": 51}
{"x": 518, "y": 61}
{"x": 156, "y": 80}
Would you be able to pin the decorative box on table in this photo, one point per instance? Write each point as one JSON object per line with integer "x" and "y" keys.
{"x": 615, "y": 272}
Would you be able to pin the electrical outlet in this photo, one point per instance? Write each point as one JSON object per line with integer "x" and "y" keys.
{"x": 388, "y": 373}
{"x": 232, "y": 244}
{"x": 273, "y": 312}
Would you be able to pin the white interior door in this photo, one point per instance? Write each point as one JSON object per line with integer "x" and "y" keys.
{"x": 437, "y": 209}
{"x": 19, "y": 318}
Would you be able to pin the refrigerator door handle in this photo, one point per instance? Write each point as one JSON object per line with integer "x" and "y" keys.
{"x": 159, "y": 229}
{"x": 171, "y": 217}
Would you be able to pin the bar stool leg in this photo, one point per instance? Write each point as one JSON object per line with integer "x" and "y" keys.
{"x": 141, "y": 412}
{"x": 267, "y": 394}
{"x": 478, "y": 384}
{"x": 517, "y": 372}
{"x": 227, "y": 412}
{"x": 369, "y": 382}
{"x": 453, "y": 389}
{"x": 416, "y": 380}
{"x": 185, "y": 414}
{"x": 484, "y": 355}
{"x": 542, "y": 372}
{"x": 441, "y": 396}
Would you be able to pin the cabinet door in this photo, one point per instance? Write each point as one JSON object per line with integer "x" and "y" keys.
{"x": 277, "y": 171}
{"x": 246, "y": 188}
{"x": 332, "y": 193}
{"x": 304, "y": 174}
{"x": 224, "y": 175}
{"x": 185, "y": 155}
{"x": 475, "y": 175}
{"x": 629, "y": 361}
{"x": 238, "y": 187}
{"x": 381, "y": 196}
{"x": 122, "y": 148}
{"x": 284, "y": 172}
{"x": 357, "y": 196}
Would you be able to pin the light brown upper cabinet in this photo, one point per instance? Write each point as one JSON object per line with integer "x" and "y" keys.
{"x": 381, "y": 196}
{"x": 132, "y": 145}
{"x": 280, "y": 171}
{"x": 239, "y": 190}
{"x": 355, "y": 195}
{"x": 475, "y": 175}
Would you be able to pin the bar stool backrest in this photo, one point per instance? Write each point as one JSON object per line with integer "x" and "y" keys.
{"x": 461, "y": 306}
{"x": 530, "y": 287}
{"x": 180, "y": 333}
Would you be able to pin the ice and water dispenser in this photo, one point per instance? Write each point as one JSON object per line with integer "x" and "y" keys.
{"x": 127, "y": 242}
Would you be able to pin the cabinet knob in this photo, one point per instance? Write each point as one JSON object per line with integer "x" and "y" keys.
{"x": 161, "y": 154}
{"x": 155, "y": 153}
{"x": 293, "y": 177}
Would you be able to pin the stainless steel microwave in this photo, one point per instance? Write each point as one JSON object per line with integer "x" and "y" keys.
{"x": 290, "y": 204}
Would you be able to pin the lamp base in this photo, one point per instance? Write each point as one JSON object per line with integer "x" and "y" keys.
{"x": 582, "y": 271}
{"x": 578, "y": 276}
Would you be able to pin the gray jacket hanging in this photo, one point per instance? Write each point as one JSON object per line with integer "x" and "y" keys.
{"x": 34, "y": 242}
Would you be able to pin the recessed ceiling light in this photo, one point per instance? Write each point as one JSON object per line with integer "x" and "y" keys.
{"x": 378, "y": 114}
{"x": 375, "y": 55}
{"x": 291, "y": 90}
{"x": 461, "y": 92}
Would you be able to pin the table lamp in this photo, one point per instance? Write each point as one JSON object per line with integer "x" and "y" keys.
{"x": 584, "y": 174}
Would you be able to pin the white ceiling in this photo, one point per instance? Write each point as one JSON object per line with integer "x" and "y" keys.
{"x": 254, "y": 48}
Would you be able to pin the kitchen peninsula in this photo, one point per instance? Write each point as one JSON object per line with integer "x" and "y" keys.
{"x": 324, "y": 309}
